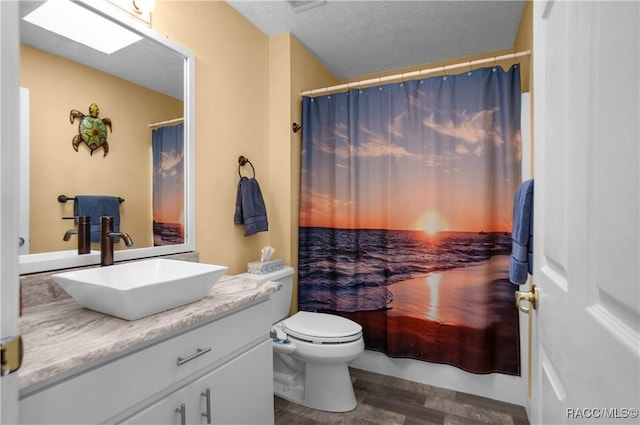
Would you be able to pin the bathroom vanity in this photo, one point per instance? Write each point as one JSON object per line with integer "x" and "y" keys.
{"x": 207, "y": 362}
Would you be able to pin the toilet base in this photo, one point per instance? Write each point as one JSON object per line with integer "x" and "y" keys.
{"x": 292, "y": 393}
{"x": 327, "y": 388}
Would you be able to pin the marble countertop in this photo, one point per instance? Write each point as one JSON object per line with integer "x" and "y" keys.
{"x": 61, "y": 337}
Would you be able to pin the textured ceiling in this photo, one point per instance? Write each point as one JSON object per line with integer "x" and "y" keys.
{"x": 357, "y": 38}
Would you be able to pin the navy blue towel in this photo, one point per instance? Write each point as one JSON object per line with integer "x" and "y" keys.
{"x": 250, "y": 209}
{"x": 521, "y": 262}
{"x": 96, "y": 206}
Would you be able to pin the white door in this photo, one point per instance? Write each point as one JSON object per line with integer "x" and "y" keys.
{"x": 586, "y": 249}
{"x": 9, "y": 301}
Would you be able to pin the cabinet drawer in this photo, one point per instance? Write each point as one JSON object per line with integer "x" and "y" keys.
{"x": 143, "y": 376}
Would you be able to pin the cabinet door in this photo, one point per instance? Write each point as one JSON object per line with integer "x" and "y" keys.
{"x": 168, "y": 411}
{"x": 240, "y": 392}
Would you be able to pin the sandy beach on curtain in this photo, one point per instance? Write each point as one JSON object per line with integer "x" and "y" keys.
{"x": 464, "y": 316}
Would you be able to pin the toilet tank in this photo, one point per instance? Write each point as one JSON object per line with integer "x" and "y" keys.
{"x": 280, "y": 300}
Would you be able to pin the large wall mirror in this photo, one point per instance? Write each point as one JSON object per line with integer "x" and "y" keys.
{"x": 146, "y": 82}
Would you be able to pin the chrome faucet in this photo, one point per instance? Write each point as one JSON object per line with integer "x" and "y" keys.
{"x": 107, "y": 235}
{"x": 84, "y": 235}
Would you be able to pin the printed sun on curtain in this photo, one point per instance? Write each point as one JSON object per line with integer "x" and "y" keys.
{"x": 168, "y": 185}
{"x": 406, "y": 212}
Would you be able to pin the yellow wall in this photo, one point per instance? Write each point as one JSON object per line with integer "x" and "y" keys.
{"x": 524, "y": 41}
{"x": 56, "y": 86}
{"x": 292, "y": 70}
{"x": 232, "y": 119}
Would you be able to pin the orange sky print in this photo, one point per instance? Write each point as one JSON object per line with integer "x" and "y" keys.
{"x": 406, "y": 212}
{"x": 168, "y": 185}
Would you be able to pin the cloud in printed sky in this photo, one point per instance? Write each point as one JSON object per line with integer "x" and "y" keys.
{"x": 318, "y": 204}
{"x": 170, "y": 164}
{"x": 396, "y": 127}
{"x": 462, "y": 149}
{"x": 375, "y": 145}
{"x": 470, "y": 128}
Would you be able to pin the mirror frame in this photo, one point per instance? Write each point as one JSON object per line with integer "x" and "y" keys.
{"x": 55, "y": 260}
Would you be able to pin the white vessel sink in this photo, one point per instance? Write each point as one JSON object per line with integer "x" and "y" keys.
{"x": 142, "y": 288}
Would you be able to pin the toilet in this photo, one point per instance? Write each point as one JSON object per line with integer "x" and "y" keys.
{"x": 311, "y": 351}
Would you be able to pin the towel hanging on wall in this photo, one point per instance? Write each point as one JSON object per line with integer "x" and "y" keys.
{"x": 250, "y": 208}
{"x": 95, "y": 206}
{"x": 521, "y": 262}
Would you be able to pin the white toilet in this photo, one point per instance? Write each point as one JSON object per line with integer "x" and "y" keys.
{"x": 311, "y": 351}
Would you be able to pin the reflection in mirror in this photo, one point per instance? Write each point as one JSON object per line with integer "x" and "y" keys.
{"x": 146, "y": 82}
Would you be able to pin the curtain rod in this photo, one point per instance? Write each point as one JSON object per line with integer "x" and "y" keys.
{"x": 414, "y": 74}
{"x": 164, "y": 123}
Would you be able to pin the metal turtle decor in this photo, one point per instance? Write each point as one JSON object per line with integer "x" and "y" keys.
{"x": 92, "y": 130}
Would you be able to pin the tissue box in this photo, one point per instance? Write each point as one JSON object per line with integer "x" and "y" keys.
{"x": 263, "y": 268}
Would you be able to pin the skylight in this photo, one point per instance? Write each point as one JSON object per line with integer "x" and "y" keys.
{"x": 81, "y": 25}
{"x": 300, "y": 5}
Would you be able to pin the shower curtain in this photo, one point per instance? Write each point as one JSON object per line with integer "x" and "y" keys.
{"x": 168, "y": 185}
{"x": 406, "y": 212}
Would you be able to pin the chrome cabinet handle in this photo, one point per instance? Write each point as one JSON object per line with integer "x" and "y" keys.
{"x": 199, "y": 352}
{"x": 207, "y": 395}
{"x": 183, "y": 414}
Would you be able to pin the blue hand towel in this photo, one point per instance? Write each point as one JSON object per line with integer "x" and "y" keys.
{"x": 96, "y": 206}
{"x": 521, "y": 262}
{"x": 250, "y": 208}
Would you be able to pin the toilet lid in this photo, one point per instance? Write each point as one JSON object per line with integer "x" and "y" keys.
{"x": 322, "y": 328}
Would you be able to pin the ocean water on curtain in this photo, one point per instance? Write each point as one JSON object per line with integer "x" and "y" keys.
{"x": 351, "y": 269}
{"x": 168, "y": 233}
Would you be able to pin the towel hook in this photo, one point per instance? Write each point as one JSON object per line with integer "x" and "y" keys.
{"x": 242, "y": 161}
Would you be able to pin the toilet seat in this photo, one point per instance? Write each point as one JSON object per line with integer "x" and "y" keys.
{"x": 322, "y": 328}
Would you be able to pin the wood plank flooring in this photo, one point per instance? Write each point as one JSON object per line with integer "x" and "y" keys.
{"x": 385, "y": 400}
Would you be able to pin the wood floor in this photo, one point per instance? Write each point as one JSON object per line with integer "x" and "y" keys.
{"x": 385, "y": 400}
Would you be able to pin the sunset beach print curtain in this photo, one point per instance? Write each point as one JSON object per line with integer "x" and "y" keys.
{"x": 168, "y": 185}
{"x": 406, "y": 212}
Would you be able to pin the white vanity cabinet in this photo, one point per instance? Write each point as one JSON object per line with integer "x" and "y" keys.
{"x": 229, "y": 355}
{"x": 232, "y": 394}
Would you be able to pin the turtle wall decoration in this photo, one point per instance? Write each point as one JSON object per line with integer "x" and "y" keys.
{"x": 92, "y": 130}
